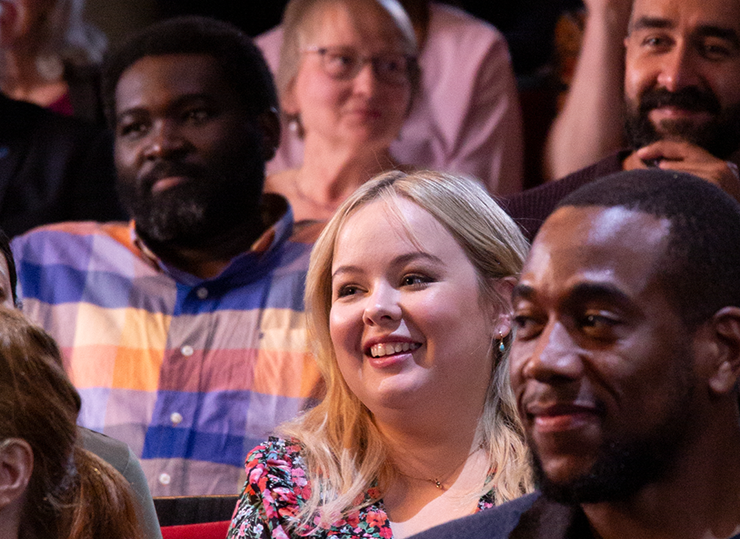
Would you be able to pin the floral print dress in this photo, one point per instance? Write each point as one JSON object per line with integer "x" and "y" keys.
{"x": 277, "y": 488}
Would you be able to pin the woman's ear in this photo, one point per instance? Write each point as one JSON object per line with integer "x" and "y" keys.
{"x": 502, "y": 322}
{"x": 288, "y": 101}
{"x": 16, "y": 466}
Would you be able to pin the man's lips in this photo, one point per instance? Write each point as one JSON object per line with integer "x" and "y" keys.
{"x": 168, "y": 182}
{"x": 165, "y": 175}
{"x": 670, "y": 112}
{"x": 560, "y": 417}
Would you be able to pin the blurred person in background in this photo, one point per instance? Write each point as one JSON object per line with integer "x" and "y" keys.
{"x": 465, "y": 117}
{"x": 50, "y": 56}
{"x": 347, "y": 77}
{"x": 591, "y": 124}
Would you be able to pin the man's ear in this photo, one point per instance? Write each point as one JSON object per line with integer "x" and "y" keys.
{"x": 724, "y": 334}
{"x": 269, "y": 124}
{"x": 16, "y": 466}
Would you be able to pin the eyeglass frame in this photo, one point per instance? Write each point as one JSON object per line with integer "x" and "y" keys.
{"x": 411, "y": 63}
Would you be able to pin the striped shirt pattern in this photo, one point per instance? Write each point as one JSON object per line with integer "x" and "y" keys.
{"x": 191, "y": 373}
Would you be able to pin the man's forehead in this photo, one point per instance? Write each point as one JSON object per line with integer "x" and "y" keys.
{"x": 597, "y": 244}
{"x": 170, "y": 75}
{"x": 720, "y": 14}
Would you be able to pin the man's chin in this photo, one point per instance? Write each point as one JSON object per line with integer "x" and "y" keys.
{"x": 692, "y": 130}
{"x": 719, "y": 135}
{"x": 616, "y": 472}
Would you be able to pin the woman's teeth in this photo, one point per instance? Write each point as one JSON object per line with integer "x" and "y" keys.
{"x": 386, "y": 349}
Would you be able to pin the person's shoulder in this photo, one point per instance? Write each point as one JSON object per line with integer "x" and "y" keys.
{"x": 277, "y": 465}
{"x": 276, "y": 452}
{"x": 445, "y": 16}
{"x": 270, "y": 38}
{"x": 531, "y": 207}
{"x": 69, "y": 231}
{"x": 114, "y": 452}
{"x": 494, "y": 523}
{"x": 70, "y": 239}
{"x": 269, "y": 43}
{"x": 20, "y": 117}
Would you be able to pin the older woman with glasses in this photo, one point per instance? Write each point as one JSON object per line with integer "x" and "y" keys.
{"x": 347, "y": 76}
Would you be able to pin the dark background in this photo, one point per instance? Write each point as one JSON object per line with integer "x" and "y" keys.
{"x": 527, "y": 24}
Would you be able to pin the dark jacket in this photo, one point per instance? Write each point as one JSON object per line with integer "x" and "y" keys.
{"x": 529, "y": 517}
{"x": 530, "y": 208}
{"x": 53, "y": 168}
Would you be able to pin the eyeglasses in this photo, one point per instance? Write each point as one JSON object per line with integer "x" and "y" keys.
{"x": 343, "y": 63}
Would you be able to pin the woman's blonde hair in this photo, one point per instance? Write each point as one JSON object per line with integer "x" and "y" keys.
{"x": 301, "y": 17}
{"x": 344, "y": 451}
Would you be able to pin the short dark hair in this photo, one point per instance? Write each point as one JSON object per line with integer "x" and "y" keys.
{"x": 700, "y": 268}
{"x": 241, "y": 62}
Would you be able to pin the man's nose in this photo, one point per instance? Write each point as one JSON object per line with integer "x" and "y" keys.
{"x": 679, "y": 68}
{"x": 555, "y": 356}
{"x": 165, "y": 140}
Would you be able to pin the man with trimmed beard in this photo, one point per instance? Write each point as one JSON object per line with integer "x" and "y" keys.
{"x": 625, "y": 366}
{"x": 183, "y": 330}
{"x": 682, "y": 97}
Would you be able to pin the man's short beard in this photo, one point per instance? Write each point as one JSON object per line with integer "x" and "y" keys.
{"x": 623, "y": 467}
{"x": 620, "y": 471}
{"x": 719, "y": 136}
{"x": 196, "y": 212}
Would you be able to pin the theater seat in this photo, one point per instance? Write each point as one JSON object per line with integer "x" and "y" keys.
{"x": 182, "y": 510}
{"x": 207, "y": 530}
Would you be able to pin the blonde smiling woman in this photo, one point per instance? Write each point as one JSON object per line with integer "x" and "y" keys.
{"x": 408, "y": 307}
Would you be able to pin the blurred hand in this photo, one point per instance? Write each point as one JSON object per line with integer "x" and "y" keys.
{"x": 618, "y": 9}
{"x": 686, "y": 157}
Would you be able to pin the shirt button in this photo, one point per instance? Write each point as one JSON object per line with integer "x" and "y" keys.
{"x": 202, "y": 292}
{"x": 176, "y": 418}
{"x": 187, "y": 350}
{"x": 165, "y": 478}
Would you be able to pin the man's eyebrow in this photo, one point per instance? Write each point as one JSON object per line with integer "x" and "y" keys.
{"x": 580, "y": 292}
{"x": 522, "y": 291}
{"x": 651, "y": 23}
{"x": 710, "y": 30}
{"x": 705, "y": 30}
{"x": 181, "y": 101}
{"x": 591, "y": 291}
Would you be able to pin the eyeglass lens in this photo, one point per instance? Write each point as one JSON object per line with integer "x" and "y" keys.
{"x": 344, "y": 63}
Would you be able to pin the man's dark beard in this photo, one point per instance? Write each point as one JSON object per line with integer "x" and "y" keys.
{"x": 619, "y": 471}
{"x": 719, "y": 136}
{"x": 199, "y": 210}
{"x": 622, "y": 468}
